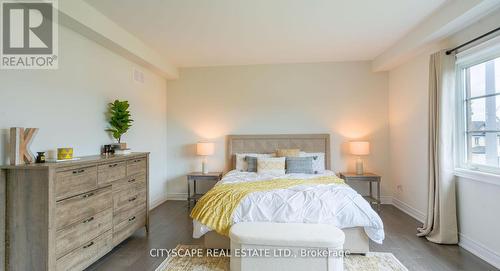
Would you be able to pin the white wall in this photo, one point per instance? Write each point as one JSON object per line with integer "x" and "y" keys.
{"x": 408, "y": 118}
{"x": 345, "y": 99}
{"x": 69, "y": 104}
{"x": 478, "y": 203}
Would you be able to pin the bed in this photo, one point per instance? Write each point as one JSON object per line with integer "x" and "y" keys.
{"x": 333, "y": 204}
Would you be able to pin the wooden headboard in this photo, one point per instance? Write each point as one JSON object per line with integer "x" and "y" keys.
{"x": 269, "y": 144}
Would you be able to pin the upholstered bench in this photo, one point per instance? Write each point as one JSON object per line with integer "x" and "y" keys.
{"x": 286, "y": 246}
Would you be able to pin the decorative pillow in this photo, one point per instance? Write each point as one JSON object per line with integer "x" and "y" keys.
{"x": 299, "y": 165}
{"x": 275, "y": 165}
{"x": 241, "y": 164}
{"x": 251, "y": 163}
{"x": 287, "y": 152}
{"x": 318, "y": 161}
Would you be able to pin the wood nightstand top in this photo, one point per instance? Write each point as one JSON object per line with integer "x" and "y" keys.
{"x": 353, "y": 175}
{"x": 208, "y": 175}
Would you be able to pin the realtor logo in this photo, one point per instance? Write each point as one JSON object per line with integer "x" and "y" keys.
{"x": 29, "y": 34}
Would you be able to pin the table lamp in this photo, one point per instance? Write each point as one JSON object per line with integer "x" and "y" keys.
{"x": 205, "y": 149}
{"x": 359, "y": 148}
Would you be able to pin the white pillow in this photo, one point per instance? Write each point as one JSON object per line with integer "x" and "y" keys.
{"x": 318, "y": 161}
{"x": 242, "y": 165}
{"x": 274, "y": 165}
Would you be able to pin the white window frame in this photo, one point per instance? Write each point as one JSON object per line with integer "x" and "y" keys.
{"x": 482, "y": 53}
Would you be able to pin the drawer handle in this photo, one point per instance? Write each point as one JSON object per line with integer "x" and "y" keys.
{"x": 88, "y": 220}
{"x": 132, "y": 218}
{"x": 131, "y": 181}
{"x": 137, "y": 160}
{"x": 78, "y": 171}
{"x": 113, "y": 165}
{"x": 132, "y": 199}
{"x": 89, "y": 245}
{"x": 88, "y": 195}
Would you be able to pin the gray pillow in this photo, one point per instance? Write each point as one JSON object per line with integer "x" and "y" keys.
{"x": 299, "y": 165}
{"x": 252, "y": 163}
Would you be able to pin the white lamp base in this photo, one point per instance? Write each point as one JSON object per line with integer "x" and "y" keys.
{"x": 204, "y": 166}
{"x": 359, "y": 166}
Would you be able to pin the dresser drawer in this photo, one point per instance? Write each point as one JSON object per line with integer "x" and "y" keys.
{"x": 83, "y": 206}
{"x": 125, "y": 214}
{"x": 137, "y": 181}
{"x": 85, "y": 255}
{"x": 127, "y": 227}
{"x": 75, "y": 181}
{"x": 136, "y": 165}
{"x": 111, "y": 172}
{"x": 83, "y": 231}
{"x": 126, "y": 199}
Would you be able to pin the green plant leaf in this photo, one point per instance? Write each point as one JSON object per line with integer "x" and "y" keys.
{"x": 119, "y": 118}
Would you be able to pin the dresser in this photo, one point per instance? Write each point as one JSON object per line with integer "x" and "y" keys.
{"x": 65, "y": 216}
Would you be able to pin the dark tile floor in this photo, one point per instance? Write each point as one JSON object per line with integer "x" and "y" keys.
{"x": 171, "y": 225}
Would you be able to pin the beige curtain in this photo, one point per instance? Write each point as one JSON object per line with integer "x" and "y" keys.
{"x": 441, "y": 222}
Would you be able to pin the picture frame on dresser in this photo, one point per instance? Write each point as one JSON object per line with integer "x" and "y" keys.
{"x": 65, "y": 216}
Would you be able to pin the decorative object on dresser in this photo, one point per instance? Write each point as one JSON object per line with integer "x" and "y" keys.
{"x": 119, "y": 121}
{"x": 64, "y": 154}
{"x": 20, "y": 141}
{"x": 365, "y": 177}
{"x": 122, "y": 151}
{"x": 205, "y": 149}
{"x": 107, "y": 150}
{"x": 199, "y": 176}
{"x": 40, "y": 157}
{"x": 359, "y": 148}
{"x": 65, "y": 216}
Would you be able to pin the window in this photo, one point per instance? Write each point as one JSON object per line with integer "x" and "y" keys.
{"x": 478, "y": 142}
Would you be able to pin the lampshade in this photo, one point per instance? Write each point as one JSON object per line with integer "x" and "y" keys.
{"x": 359, "y": 147}
{"x": 205, "y": 148}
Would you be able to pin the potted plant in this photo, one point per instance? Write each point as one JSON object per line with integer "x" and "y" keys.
{"x": 119, "y": 121}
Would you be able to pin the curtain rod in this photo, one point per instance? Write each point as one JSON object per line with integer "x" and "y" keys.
{"x": 471, "y": 41}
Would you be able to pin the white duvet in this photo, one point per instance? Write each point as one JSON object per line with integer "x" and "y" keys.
{"x": 333, "y": 204}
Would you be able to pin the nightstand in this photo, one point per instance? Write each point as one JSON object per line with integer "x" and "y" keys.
{"x": 366, "y": 177}
{"x": 197, "y": 177}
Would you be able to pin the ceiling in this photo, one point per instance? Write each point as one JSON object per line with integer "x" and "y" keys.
{"x": 240, "y": 32}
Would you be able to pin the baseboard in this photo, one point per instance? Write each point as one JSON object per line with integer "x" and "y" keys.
{"x": 411, "y": 211}
{"x": 177, "y": 196}
{"x": 386, "y": 199}
{"x": 466, "y": 243}
{"x": 479, "y": 250}
{"x": 157, "y": 202}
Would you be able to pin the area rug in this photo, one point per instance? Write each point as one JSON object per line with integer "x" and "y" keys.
{"x": 373, "y": 261}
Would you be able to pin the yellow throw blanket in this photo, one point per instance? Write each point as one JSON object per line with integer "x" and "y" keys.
{"x": 215, "y": 209}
